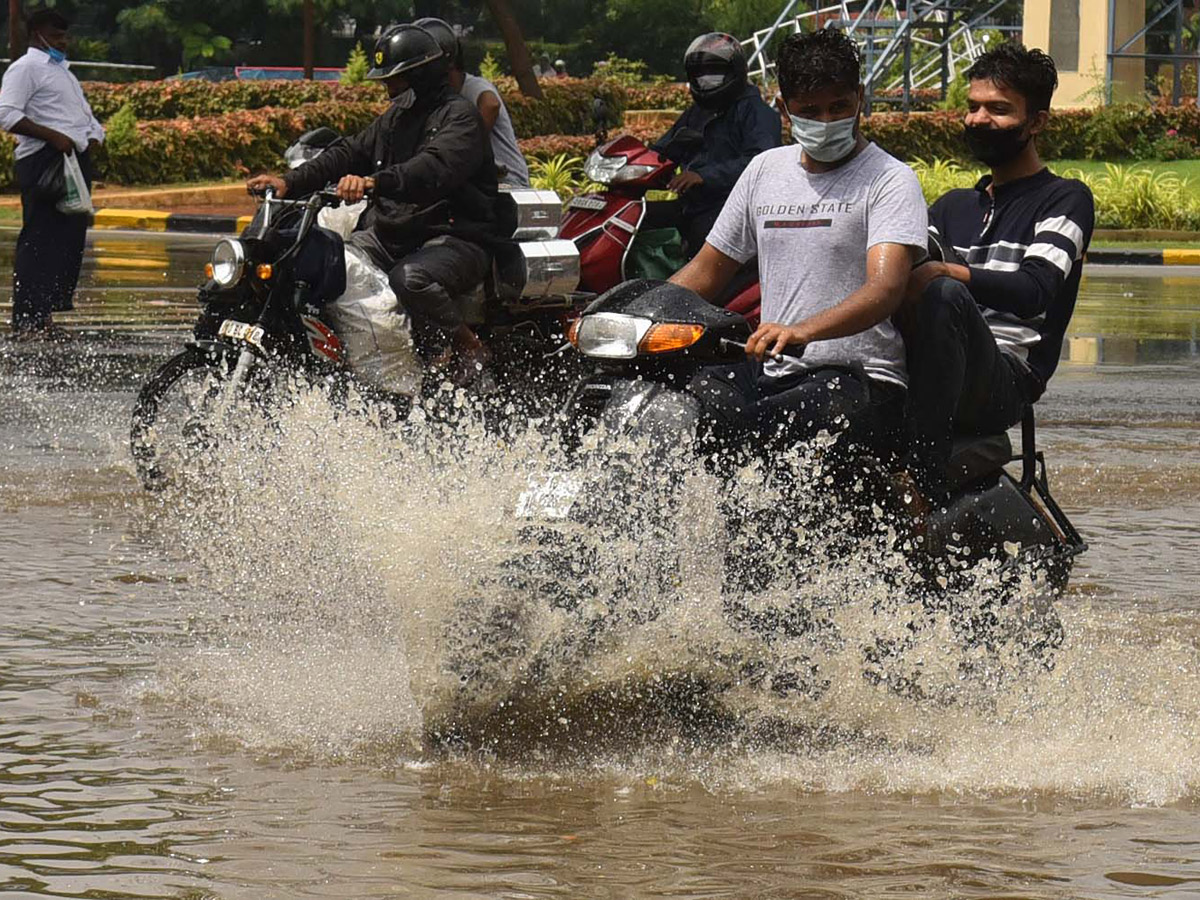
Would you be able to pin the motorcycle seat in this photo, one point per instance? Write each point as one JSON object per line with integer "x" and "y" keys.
{"x": 974, "y": 456}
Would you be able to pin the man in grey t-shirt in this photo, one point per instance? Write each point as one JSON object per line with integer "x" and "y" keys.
{"x": 486, "y": 98}
{"x": 836, "y": 224}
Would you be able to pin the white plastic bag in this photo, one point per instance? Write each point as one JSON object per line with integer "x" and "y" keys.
{"x": 374, "y": 329}
{"x": 77, "y": 201}
{"x": 341, "y": 219}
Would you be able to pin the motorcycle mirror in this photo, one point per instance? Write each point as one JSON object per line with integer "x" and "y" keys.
{"x": 318, "y": 137}
{"x": 599, "y": 111}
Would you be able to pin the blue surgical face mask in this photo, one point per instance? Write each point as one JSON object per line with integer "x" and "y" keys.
{"x": 825, "y": 141}
{"x": 55, "y": 54}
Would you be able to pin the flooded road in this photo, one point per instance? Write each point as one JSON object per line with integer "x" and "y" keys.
{"x": 230, "y": 698}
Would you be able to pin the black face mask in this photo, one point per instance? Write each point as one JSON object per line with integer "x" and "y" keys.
{"x": 995, "y": 146}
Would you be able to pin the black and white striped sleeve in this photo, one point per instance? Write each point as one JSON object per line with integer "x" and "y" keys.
{"x": 1061, "y": 234}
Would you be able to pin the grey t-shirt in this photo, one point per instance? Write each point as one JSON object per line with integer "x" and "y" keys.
{"x": 811, "y": 233}
{"x": 504, "y": 139}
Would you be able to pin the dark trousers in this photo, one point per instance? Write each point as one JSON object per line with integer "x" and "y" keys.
{"x": 959, "y": 380}
{"x": 693, "y": 225}
{"x": 432, "y": 281}
{"x": 49, "y": 248}
{"x": 840, "y": 400}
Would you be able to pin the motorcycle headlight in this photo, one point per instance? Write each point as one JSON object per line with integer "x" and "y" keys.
{"x": 631, "y": 173}
{"x": 610, "y": 335}
{"x": 228, "y": 263}
{"x": 603, "y": 169}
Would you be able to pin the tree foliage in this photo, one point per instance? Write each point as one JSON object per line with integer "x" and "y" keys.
{"x": 357, "y": 66}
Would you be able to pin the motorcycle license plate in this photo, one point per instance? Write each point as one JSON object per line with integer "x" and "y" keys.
{"x": 241, "y": 331}
{"x": 548, "y": 496}
{"x": 594, "y": 204}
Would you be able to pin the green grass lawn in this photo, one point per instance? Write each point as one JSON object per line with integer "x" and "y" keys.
{"x": 1187, "y": 168}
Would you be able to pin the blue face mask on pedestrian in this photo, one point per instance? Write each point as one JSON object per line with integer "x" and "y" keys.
{"x": 55, "y": 54}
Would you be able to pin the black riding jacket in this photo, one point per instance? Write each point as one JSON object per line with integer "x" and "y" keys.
{"x": 433, "y": 169}
{"x": 732, "y": 137}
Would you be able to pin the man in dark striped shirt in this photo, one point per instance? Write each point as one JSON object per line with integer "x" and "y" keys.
{"x": 987, "y": 328}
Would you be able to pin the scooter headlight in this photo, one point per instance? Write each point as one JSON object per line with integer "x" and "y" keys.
{"x": 610, "y": 335}
{"x": 631, "y": 173}
{"x": 228, "y": 263}
{"x": 603, "y": 169}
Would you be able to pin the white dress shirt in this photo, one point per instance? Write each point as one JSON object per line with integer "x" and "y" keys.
{"x": 37, "y": 88}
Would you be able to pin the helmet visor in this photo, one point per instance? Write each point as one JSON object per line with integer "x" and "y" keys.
{"x": 709, "y": 82}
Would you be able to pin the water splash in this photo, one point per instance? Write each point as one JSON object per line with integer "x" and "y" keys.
{"x": 369, "y": 594}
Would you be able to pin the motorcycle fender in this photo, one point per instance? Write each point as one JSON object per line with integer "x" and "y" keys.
{"x": 645, "y": 409}
{"x": 1001, "y": 515}
{"x": 604, "y": 238}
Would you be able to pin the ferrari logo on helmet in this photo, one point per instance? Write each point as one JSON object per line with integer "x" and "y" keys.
{"x": 379, "y": 57}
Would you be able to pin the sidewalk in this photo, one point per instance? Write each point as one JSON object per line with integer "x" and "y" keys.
{"x": 1113, "y": 256}
{"x": 196, "y": 209}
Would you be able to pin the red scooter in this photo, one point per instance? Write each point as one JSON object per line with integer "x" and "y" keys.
{"x": 604, "y": 226}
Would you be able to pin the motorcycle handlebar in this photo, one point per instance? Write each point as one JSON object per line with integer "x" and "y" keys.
{"x": 328, "y": 197}
{"x": 727, "y": 344}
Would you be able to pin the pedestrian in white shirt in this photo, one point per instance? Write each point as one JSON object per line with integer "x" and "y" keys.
{"x": 42, "y": 103}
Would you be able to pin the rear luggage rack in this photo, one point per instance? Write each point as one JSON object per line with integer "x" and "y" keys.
{"x": 1034, "y": 480}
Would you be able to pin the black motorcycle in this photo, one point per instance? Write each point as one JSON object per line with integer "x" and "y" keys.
{"x": 262, "y": 312}
{"x": 648, "y": 340}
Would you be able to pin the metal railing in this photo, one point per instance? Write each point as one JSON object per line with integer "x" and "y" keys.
{"x": 930, "y": 40}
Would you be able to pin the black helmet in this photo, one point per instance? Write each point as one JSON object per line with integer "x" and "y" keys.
{"x": 716, "y": 69}
{"x": 411, "y": 51}
{"x": 446, "y": 38}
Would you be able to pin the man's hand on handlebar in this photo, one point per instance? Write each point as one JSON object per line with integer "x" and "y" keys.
{"x": 353, "y": 188}
{"x": 259, "y": 184}
{"x": 771, "y": 339}
{"x": 684, "y": 182}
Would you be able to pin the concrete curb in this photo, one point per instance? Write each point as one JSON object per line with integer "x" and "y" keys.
{"x": 158, "y": 220}
{"x": 1165, "y": 257}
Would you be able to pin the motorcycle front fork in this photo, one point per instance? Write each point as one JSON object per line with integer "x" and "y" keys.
{"x": 242, "y": 369}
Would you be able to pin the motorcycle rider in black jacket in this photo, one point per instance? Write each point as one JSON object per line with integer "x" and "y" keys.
{"x": 714, "y": 140}
{"x": 428, "y": 163}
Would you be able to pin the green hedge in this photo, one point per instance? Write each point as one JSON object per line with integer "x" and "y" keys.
{"x": 180, "y": 99}
{"x": 189, "y": 149}
{"x": 236, "y": 143}
{"x": 1116, "y": 132}
{"x": 565, "y": 109}
{"x": 666, "y": 95}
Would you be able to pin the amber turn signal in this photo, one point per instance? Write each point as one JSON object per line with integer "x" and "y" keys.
{"x": 208, "y": 270}
{"x": 264, "y": 271}
{"x": 667, "y": 336}
{"x": 573, "y": 331}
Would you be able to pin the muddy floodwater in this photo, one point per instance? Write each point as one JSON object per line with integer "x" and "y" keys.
{"x": 234, "y": 692}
